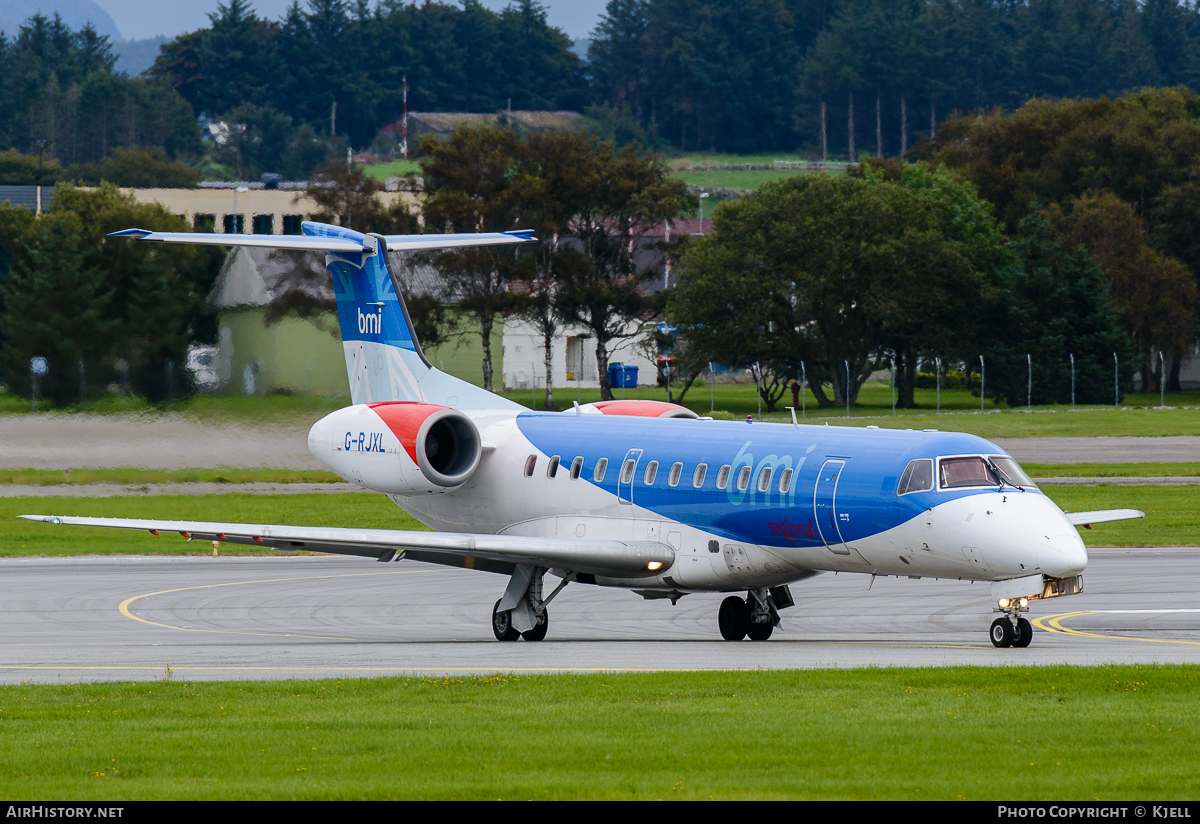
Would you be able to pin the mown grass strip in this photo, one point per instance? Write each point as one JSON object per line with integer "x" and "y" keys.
{"x": 139, "y": 476}
{"x": 24, "y": 538}
{"x": 1113, "y": 470}
{"x": 1114, "y": 732}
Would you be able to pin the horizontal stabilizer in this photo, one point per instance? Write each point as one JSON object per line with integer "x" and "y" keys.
{"x": 336, "y": 243}
{"x": 1102, "y": 516}
{"x": 610, "y": 558}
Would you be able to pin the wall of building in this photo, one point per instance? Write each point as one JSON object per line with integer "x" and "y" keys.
{"x": 524, "y": 357}
{"x": 298, "y": 355}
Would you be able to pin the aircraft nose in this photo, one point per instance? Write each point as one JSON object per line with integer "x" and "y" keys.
{"x": 1061, "y": 556}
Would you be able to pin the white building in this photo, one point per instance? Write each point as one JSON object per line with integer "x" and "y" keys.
{"x": 573, "y": 356}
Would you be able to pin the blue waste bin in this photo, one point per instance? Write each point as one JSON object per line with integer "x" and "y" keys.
{"x": 621, "y": 376}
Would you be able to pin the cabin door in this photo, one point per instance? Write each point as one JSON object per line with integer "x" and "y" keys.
{"x": 825, "y": 506}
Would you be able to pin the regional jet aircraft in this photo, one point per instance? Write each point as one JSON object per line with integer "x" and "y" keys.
{"x": 642, "y": 495}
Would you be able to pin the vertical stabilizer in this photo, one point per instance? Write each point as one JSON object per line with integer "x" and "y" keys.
{"x": 384, "y": 361}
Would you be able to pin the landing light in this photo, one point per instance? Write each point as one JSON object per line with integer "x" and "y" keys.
{"x": 654, "y": 565}
{"x": 1004, "y": 602}
{"x": 1024, "y": 602}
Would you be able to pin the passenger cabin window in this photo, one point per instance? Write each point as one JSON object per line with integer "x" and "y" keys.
{"x": 552, "y": 467}
{"x": 917, "y": 477}
{"x": 576, "y": 468}
{"x": 744, "y": 478}
{"x": 601, "y": 467}
{"x": 627, "y": 471}
{"x": 785, "y": 481}
{"x": 698, "y": 477}
{"x": 676, "y": 472}
{"x": 723, "y": 477}
{"x": 651, "y": 472}
{"x": 957, "y": 473}
{"x": 530, "y": 463}
{"x": 764, "y": 479}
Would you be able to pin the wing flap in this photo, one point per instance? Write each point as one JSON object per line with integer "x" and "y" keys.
{"x": 1103, "y": 516}
{"x": 617, "y": 558}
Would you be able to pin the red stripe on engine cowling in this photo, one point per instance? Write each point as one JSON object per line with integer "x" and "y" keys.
{"x": 404, "y": 419}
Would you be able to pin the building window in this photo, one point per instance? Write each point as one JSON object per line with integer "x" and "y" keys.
{"x": 264, "y": 224}
{"x": 235, "y": 224}
{"x": 292, "y": 223}
{"x": 204, "y": 223}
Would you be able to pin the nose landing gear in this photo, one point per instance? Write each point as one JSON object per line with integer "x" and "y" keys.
{"x": 1011, "y": 630}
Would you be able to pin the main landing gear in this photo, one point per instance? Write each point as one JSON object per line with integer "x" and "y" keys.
{"x": 756, "y": 616}
{"x": 522, "y": 612}
{"x": 1011, "y": 629}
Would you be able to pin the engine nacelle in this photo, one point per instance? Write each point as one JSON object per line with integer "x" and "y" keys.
{"x": 640, "y": 409}
{"x": 398, "y": 447}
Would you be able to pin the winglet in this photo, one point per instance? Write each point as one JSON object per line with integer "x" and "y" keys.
{"x": 524, "y": 234}
{"x": 138, "y": 233}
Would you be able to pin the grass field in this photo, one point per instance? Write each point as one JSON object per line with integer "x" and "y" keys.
{"x": 939, "y": 733}
{"x": 1138, "y": 415}
{"x": 1172, "y": 518}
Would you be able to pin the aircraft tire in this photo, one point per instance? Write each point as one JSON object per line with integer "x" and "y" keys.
{"x": 538, "y": 633}
{"x": 502, "y": 626}
{"x": 1025, "y": 636}
{"x": 733, "y": 618}
{"x": 760, "y": 632}
{"x": 1001, "y": 633}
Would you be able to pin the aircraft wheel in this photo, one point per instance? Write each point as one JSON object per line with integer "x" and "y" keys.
{"x": 760, "y": 632}
{"x": 1024, "y": 634}
{"x": 502, "y": 626}
{"x": 538, "y": 633}
{"x": 733, "y": 618}
{"x": 1002, "y": 632}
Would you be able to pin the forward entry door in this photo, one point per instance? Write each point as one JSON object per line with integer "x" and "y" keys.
{"x": 825, "y": 506}
{"x": 628, "y": 475}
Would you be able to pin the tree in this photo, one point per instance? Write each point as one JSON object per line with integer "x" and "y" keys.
{"x": 468, "y": 186}
{"x": 138, "y": 168}
{"x": 347, "y": 196}
{"x": 616, "y": 197}
{"x": 830, "y": 270}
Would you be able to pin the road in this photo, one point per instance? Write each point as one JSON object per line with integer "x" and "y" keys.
{"x": 141, "y": 618}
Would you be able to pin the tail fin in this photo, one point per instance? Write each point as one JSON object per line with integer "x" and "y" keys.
{"x": 384, "y": 361}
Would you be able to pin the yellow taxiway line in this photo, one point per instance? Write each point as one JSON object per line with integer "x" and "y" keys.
{"x": 123, "y": 608}
{"x": 1053, "y": 623}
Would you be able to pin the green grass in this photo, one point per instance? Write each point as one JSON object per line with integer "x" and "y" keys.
{"x": 135, "y": 475}
{"x": 397, "y": 168}
{"x": 1112, "y": 470}
{"x": 973, "y": 733}
{"x": 1172, "y": 518}
{"x": 24, "y": 538}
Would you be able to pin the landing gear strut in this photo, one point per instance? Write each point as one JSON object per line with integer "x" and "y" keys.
{"x": 1011, "y": 629}
{"x": 756, "y": 616}
{"x": 522, "y": 612}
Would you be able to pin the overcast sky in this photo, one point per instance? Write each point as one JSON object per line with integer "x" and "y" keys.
{"x": 138, "y": 19}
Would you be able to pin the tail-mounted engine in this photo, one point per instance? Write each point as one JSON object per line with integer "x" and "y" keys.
{"x": 398, "y": 447}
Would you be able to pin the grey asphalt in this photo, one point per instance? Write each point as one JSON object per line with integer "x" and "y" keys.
{"x": 270, "y": 618}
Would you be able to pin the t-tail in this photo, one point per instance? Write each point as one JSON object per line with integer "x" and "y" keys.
{"x": 384, "y": 361}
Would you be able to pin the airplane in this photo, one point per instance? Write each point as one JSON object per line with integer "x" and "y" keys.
{"x": 638, "y": 494}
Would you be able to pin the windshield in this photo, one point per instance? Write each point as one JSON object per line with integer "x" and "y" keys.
{"x": 1012, "y": 471}
{"x": 955, "y": 473}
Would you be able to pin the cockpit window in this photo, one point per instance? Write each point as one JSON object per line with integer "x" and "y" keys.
{"x": 917, "y": 477}
{"x": 1012, "y": 472}
{"x": 956, "y": 473}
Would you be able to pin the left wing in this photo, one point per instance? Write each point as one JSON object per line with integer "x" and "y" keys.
{"x": 497, "y": 553}
{"x": 1103, "y": 516}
